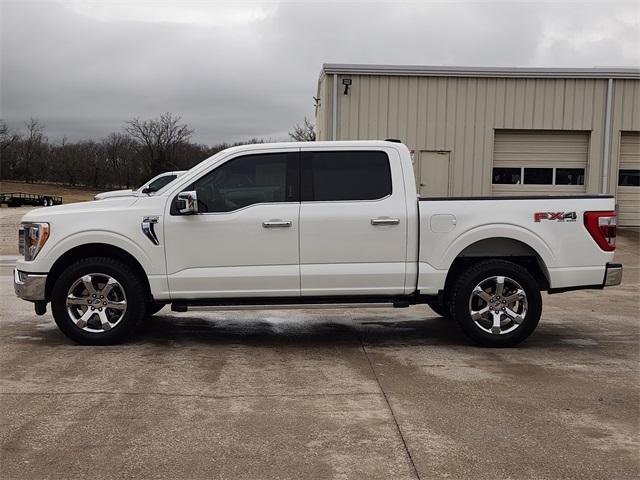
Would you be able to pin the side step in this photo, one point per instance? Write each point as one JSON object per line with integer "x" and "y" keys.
{"x": 296, "y": 303}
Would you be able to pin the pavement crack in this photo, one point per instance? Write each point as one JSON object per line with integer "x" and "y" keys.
{"x": 393, "y": 415}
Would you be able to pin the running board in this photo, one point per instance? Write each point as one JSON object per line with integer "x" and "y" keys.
{"x": 278, "y": 303}
{"x": 181, "y": 307}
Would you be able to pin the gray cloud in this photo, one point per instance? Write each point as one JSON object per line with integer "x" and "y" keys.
{"x": 235, "y": 71}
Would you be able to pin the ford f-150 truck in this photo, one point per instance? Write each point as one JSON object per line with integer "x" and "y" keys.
{"x": 326, "y": 223}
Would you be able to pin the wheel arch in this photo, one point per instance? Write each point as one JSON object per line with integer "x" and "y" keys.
{"x": 500, "y": 248}
{"x": 94, "y": 250}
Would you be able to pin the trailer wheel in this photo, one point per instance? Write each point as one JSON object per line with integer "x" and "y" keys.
{"x": 496, "y": 303}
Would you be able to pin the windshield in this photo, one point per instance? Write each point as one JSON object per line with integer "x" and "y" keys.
{"x": 208, "y": 160}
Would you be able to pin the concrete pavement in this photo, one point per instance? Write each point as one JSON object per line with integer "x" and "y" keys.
{"x": 342, "y": 394}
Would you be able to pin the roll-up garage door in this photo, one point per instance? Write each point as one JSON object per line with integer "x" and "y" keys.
{"x": 539, "y": 162}
{"x": 629, "y": 179}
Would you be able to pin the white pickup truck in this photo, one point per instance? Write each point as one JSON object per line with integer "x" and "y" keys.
{"x": 326, "y": 223}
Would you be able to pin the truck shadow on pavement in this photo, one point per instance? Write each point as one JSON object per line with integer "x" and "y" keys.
{"x": 329, "y": 331}
{"x": 277, "y": 328}
{"x": 314, "y": 331}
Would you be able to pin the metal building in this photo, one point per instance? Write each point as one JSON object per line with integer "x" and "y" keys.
{"x": 496, "y": 131}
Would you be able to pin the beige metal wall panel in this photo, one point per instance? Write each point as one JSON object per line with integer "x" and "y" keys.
{"x": 625, "y": 117}
{"x": 460, "y": 114}
{"x": 323, "y": 111}
{"x": 628, "y": 197}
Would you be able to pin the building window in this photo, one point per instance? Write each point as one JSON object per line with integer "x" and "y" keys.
{"x": 507, "y": 176}
{"x": 629, "y": 178}
{"x": 538, "y": 176}
{"x": 569, "y": 176}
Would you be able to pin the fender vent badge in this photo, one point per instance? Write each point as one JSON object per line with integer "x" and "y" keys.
{"x": 148, "y": 228}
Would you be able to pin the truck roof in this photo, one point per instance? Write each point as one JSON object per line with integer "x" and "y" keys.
{"x": 336, "y": 143}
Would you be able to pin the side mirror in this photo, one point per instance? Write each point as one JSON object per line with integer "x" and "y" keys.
{"x": 187, "y": 203}
{"x": 148, "y": 190}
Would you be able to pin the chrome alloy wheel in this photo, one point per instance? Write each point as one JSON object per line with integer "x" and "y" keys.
{"x": 498, "y": 305}
{"x": 96, "y": 302}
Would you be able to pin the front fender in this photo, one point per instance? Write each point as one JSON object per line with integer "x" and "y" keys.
{"x": 45, "y": 261}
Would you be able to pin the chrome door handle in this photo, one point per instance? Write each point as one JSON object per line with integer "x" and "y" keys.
{"x": 276, "y": 224}
{"x": 385, "y": 221}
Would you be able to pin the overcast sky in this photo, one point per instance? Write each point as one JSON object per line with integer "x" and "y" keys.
{"x": 236, "y": 70}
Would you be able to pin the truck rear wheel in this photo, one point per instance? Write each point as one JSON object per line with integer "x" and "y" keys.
{"x": 98, "y": 301}
{"x": 497, "y": 303}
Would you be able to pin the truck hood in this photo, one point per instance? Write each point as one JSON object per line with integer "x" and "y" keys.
{"x": 116, "y": 193}
{"x": 46, "y": 214}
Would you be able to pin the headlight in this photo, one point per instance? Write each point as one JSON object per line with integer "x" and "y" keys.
{"x": 33, "y": 236}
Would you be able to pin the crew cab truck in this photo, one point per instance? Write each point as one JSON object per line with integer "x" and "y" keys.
{"x": 326, "y": 223}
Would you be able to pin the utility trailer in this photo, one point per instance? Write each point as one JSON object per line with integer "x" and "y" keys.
{"x": 19, "y": 199}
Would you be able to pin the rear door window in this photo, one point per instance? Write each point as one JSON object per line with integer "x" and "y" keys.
{"x": 345, "y": 176}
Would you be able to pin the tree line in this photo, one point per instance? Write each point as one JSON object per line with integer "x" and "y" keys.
{"x": 125, "y": 159}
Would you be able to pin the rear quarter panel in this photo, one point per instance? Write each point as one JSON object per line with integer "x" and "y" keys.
{"x": 568, "y": 253}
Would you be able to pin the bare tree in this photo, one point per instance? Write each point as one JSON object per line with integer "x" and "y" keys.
{"x": 118, "y": 150}
{"x": 7, "y": 136}
{"x": 304, "y": 132}
{"x": 33, "y": 146}
{"x": 159, "y": 138}
{"x": 145, "y": 148}
{"x": 8, "y": 156}
{"x": 71, "y": 162}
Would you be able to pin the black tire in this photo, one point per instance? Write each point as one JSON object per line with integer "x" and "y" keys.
{"x": 154, "y": 307}
{"x": 462, "y": 292}
{"x": 440, "y": 309}
{"x": 132, "y": 285}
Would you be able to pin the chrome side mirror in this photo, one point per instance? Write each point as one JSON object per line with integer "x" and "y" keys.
{"x": 187, "y": 203}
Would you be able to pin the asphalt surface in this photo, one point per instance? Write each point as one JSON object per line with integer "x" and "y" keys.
{"x": 341, "y": 394}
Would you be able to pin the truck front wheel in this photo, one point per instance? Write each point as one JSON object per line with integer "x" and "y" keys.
{"x": 98, "y": 301}
{"x": 497, "y": 303}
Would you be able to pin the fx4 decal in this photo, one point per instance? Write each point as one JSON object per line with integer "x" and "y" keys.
{"x": 557, "y": 216}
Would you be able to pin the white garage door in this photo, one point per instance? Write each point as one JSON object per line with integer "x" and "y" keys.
{"x": 629, "y": 179}
{"x": 539, "y": 162}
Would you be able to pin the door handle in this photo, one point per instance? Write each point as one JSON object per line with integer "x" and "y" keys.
{"x": 276, "y": 224}
{"x": 385, "y": 221}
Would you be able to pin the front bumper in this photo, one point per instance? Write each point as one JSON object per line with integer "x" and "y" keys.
{"x": 29, "y": 286}
{"x": 613, "y": 275}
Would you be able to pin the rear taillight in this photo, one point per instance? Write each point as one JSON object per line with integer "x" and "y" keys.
{"x": 602, "y": 227}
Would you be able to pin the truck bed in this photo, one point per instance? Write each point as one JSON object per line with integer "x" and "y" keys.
{"x": 508, "y": 226}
